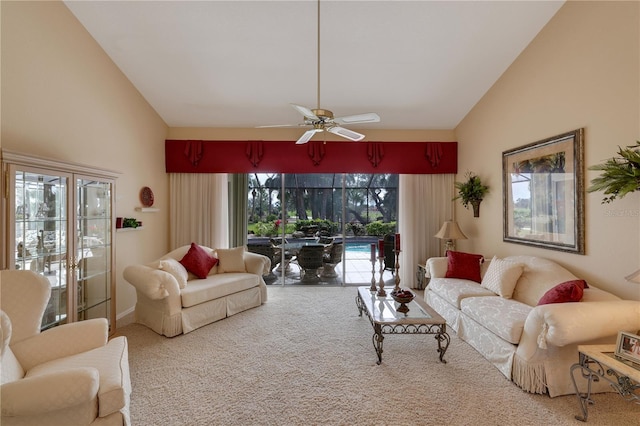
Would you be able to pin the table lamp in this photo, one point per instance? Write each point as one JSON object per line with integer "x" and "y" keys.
{"x": 450, "y": 232}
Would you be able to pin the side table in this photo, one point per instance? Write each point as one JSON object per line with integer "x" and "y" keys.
{"x": 599, "y": 362}
{"x": 421, "y": 278}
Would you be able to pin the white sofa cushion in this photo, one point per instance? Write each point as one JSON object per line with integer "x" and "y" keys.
{"x": 453, "y": 290}
{"x": 503, "y": 317}
{"x": 231, "y": 260}
{"x": 67, "y": 397}
{"x": 593, "y": 294}
{"x": 217, "y": 286}
{"x": 539, "y": 275}
{"x": 502, "y": 276}
{"x": 111, "y": 361}
{"x": 175, "y": 268}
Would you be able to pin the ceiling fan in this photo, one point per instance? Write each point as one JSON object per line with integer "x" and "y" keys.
{"x": 323, "y": 119}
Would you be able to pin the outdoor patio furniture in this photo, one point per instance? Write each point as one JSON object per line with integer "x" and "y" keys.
{"x": 389, "y": 252}
{"x": 277, "y": 244}
{"x": 331, "y": 259}
{"x": 325, "y": 240}
{"x": 310, "y": 260}
{"x": 273, "y": 253}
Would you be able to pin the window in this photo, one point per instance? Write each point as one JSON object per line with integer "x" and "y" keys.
{"x": 352, "y": 209}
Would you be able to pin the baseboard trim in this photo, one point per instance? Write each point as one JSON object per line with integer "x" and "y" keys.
{"x": 125, "y": 318}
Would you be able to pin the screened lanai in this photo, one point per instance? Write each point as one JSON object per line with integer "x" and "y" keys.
{"x": 369, "y": 197}
{"x": 352, "y": 210}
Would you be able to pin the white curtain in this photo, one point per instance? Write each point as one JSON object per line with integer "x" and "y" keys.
{"x": 425, "y": 202}
{"x": 198, "y": 209}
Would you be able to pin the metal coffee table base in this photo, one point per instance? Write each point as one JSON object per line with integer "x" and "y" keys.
{"x": 439, "y": 330}
{"x": 406, "y": 326}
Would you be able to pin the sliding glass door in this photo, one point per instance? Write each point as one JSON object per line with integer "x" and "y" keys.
{"x": 344, "y": 213}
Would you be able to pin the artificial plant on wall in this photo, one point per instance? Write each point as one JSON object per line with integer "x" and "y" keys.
{"x": 472, "y": 191}
{"x": 620, "y": 175}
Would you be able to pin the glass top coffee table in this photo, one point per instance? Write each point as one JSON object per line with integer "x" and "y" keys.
{"x": 385, "y": 318}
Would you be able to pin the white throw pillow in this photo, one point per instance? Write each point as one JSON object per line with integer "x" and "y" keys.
{"x": 502, "y": 276}
{"x": 176, "y": 269}
{"x": 231, "y": 260}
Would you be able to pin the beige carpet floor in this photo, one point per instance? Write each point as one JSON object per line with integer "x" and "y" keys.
{"x": 306, "y": 358}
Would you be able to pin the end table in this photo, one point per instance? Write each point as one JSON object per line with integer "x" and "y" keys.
{"x": 599, "y": 362}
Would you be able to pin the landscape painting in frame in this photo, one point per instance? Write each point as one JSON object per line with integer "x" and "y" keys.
{"x": 543, "y": 186}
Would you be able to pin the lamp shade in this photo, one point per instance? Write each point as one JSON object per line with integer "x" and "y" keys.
{"x": 634, "y": 277}
{"x": 450, "y": 231}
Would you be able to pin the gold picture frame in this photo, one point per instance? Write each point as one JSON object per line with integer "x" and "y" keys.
{"x": 543, "y": 193}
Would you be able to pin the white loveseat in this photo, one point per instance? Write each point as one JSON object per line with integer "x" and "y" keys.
{"x": 534, "y": 346}
{"x": 172, "y": 300}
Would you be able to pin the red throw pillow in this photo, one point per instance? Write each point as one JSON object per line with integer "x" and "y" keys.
{"x": 569, "y": 291}
{"x": 583, "y": 282}
{"x": 464, "y": 265}
{"x": 198, "y": 261}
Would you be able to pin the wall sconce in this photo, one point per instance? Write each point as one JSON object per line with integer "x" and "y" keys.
{"x": 450, "y": 232}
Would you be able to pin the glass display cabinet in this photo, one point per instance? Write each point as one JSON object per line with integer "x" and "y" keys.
{"x": 59, "y": 220}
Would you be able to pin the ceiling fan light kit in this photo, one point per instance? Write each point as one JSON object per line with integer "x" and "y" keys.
{"x": 323, "y": 119}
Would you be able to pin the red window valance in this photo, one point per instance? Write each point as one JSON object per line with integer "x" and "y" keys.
{"x": 196, "y": 156}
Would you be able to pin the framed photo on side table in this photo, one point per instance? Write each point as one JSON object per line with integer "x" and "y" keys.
{"x": 628, "y": 347}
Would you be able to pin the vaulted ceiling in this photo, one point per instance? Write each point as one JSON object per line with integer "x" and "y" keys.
{"x": 418, "y": 64}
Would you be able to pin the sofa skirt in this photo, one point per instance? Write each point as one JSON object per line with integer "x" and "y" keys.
{"x": 549, "y": 371}
{"x": 496, "y": 350}
{"x": 243, "y": 300}
{"x": 152, "y": 313}
{"x": 203, "y": 314}
{"x": 214, "y": 310}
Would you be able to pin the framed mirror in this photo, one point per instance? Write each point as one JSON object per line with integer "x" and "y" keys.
{"x": 543, "y": 193}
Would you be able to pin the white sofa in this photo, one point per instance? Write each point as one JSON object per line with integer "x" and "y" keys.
{"x": 172, "y": 301}
{"x": 534, "y": 346}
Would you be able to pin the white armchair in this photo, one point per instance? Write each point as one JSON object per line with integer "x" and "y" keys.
{"x": 67, "y": 375}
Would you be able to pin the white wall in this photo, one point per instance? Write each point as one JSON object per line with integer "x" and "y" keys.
{"x": 64, "y": 99}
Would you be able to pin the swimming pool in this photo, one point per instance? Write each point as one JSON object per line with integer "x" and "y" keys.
{"x": 358, "y": 247}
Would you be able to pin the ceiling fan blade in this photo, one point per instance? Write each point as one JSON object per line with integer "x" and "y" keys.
{"x": 370, "y": 117}
{"x": 305, "y": 111}
{"x": 281, "y": 125}
{"x": 306, "y": 137}
{"x": 346, "y": 133}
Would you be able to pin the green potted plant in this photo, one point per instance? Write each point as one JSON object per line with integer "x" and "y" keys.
{"x": 472, "y": 191}
{"x": 620, "y": 175}
{"x": 129, "y": 222}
